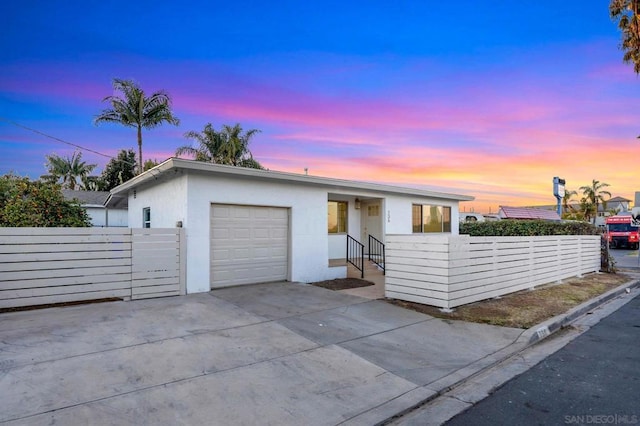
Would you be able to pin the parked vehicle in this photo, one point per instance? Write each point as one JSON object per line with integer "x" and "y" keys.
{"x": 622, "y": 231}
{"x": 471, "y": 217}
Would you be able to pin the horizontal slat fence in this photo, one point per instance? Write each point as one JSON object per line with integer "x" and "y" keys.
{"x": 453, "y": 270}
{"x": 158, "y": 264}
{"x": 55, "y": 265}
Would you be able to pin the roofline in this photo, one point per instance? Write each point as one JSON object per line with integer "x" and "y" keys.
{"x": 192, "y": 165}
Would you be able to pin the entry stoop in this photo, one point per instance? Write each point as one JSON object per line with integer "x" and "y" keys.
{"x": 371, "y": 273}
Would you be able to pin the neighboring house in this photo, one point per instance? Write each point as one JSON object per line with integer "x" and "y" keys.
{"x": 613, "y": 206}
{"x": 103, "y": 209}
{"x": 247, "y": 226}
{"x": 619, "y": 204}
{"x": 526, "y": 213}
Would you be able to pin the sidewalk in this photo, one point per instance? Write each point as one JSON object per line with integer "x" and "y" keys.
{"x": 535, "y": 345}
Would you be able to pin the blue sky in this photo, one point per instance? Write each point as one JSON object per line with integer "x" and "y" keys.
{"x": 474, "y": 98}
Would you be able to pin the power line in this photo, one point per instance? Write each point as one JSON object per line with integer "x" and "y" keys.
{"x": 61, "y": 140}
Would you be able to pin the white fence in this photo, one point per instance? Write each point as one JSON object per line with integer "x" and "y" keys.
{"x": 55, "y": 265}
{"x": 449, "y": 271}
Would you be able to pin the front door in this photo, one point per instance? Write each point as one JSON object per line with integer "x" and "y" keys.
{"x": 371, "y": 222}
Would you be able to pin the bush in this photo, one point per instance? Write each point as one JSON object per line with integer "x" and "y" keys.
{"x": 526, "y": 228}
{"x": 26, "y": 203}
{"x": 607, "y": 262}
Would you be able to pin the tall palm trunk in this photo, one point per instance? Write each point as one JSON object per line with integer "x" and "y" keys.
{"x": 140, "y": 150}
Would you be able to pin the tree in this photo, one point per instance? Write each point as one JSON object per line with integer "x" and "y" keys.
{"x": 567, "y": 198}
{"x": 150, "y": 164}
{"x": 586, "y": 208}
{"x": 229, "y": 146}
{"x": 594, "y": 195}
{"x": 36, "y": 203}
{"x": 118, "y": 170}
{"x": 625, "y": 12}
{"x": 69, "y": 170}
{"x": 134, "y": 109}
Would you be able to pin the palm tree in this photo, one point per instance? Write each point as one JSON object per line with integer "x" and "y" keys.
{"x": 229, "y": 146}
{"x": 134, "y": 109}
{"x": 625, "y": 12}
{"x": 594, "y": 194}
{"x": 69, "y": 169}
{"x": 586, "y": 208}
{"x": 567, "y": 198}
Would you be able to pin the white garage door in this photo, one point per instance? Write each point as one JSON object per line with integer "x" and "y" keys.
{"x": 248, "y": 244}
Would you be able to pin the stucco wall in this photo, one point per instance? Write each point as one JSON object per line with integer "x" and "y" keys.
{"x": 167, "y": 202}
{"x": 338, "y": 242}
{"x": 308, "y": 248}
{"x": 187, "y": 197}
{"x": 398, "y": 213}
{"x": 101, "y": 217}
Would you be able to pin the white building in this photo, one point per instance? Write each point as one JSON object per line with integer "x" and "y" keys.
{"x": 103, "y": 209}
{"x": 247, "y": 226}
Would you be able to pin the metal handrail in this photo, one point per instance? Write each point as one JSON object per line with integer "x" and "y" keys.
{"x": 355, "y": 254}
{"x": 376, "y": 252}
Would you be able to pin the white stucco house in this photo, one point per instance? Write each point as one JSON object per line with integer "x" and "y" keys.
{"x": 246, "y": 226}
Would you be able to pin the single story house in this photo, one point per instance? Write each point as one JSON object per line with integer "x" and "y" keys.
{"x": 104, "y": 209}
{"x": 247, "y": 226}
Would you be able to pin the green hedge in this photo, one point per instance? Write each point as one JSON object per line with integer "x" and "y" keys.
{"x": 526, "y": 228}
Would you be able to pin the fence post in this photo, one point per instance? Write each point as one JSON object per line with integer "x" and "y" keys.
{"x": 580, "y": 241}
{"x": 183, "y": 260}
{"x": 132, "y": 255}
{"x": 532, "y": 254}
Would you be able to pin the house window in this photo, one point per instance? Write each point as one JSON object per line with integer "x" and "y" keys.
{"x": 429, "y": 218}
{"x": 337, "y": 221}
{"x": 146, "y": 217}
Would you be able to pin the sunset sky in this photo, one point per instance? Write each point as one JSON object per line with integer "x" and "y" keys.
{"x": 472, "y": 97}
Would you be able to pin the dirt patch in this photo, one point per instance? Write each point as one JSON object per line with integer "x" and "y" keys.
{"x": 343, "y": 283}
{"x": 527, "y": 308}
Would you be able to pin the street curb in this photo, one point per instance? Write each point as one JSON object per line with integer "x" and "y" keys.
{"x": 527, "y": 339}
{"x": 547, "y": 328}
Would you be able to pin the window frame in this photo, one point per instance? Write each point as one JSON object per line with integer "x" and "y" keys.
{"x": 146, "y": 217}
{"x": 345, "y": 227}
{"x": 444, "y": 215}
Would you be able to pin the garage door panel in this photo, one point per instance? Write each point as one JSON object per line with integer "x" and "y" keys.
{"x": 262, "y": 233}
{"x": 249, "y": 244}
{"x": 218, "y": 211}
{"x": 241, "y": 233}
{"x": 241, "y": 212}
{"x": 241, "y": 254}
{"x": 222, "y": 255}
{"x": 278, "y": 233}
{"x": 264, "y": 213}
{"x": 277, "y": 213}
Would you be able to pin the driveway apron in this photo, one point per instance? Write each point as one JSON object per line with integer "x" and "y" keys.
{"x": 279, "y": 353}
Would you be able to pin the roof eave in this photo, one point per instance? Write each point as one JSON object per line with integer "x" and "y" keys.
{"x": 190, "y": 165}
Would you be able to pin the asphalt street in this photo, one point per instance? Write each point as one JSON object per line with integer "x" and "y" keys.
{"x": 595, "y": 379}
{"x": 625, "y": 259}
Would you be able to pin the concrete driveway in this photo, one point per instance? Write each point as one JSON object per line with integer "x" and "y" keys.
{"x": 281, "y": 353}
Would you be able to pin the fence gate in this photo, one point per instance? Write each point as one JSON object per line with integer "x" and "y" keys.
{"x": 157, "y": 263}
